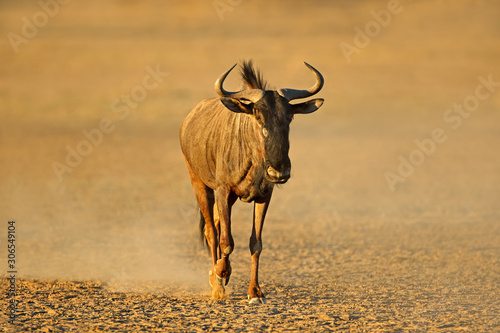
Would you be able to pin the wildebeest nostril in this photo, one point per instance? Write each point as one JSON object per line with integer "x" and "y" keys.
{"x": 278, "y": 175}
{"x": 272, "y": 172}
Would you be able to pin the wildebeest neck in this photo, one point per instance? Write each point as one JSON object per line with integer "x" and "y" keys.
{"x": 247, "y": 162}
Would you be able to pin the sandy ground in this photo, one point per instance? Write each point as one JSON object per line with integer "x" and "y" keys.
{"x": 111, "y": 243}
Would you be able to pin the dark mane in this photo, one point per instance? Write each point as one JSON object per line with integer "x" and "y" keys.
{"x": 252, "y": 78}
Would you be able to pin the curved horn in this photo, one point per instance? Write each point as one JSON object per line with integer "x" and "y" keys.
{"x": 218, "y": 84}
{"x": 290, "y": 94}
{"x": 253, "y": 95}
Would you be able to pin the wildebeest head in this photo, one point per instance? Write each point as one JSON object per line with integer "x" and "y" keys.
{"x": 272, "y": 112}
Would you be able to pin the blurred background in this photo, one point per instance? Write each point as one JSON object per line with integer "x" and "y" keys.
{"x": 123, "y": 209}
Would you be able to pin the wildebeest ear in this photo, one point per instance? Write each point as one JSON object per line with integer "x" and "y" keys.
{"x": 238, "y": 105}
{"x": 307, "y": 107}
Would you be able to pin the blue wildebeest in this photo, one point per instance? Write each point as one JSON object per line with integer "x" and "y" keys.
{"x": 236, "y": 145}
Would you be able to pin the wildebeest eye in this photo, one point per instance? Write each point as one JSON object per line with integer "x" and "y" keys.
{"x": 265, "y": 133}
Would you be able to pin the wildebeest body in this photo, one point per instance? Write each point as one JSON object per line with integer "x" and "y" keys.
{"x": 225, "y": 149}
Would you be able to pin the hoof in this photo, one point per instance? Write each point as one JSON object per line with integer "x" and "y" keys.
{"x": 257, "y": 300}
{"x": 218, "y": 292}
{"x": 222, "y": 281}
{"x": 217, "y": 283}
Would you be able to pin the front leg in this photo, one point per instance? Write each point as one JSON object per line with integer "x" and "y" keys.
{"x": 222, "y": 270}
{"x": 255, "y": 295}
